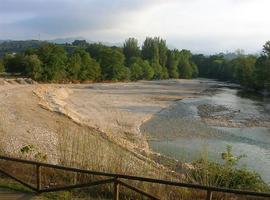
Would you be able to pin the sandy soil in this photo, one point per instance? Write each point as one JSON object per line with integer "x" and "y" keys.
{"x": 116, "y": 109}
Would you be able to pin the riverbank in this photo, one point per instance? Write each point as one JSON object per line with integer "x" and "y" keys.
{"x": 117, "y": 109}
{"x": 206, "y": 125}
{"x": 102, "y": 120}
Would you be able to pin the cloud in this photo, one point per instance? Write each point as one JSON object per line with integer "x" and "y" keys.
{"x": 196, "y": 24}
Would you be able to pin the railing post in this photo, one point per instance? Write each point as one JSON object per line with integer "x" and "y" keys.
{"x": 209, "y": 195}
{"x": 38, "y": 177}
{"x": 116, "y": 190}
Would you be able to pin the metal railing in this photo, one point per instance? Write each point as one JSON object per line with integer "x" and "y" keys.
{"x": 117, "y": 180}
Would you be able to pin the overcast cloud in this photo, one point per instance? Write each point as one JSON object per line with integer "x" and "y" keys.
{"x": 207, "y": 26}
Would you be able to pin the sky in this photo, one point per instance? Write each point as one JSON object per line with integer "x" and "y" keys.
{"x": 202, "y": 26}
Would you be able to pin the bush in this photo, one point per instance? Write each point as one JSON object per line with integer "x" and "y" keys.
{"x": 2, "y": 68}
{"x": 227, "y": 175}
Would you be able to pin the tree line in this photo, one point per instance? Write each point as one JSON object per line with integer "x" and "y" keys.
{"x": 250, "y": 71}
{"x": 81, "y": 61}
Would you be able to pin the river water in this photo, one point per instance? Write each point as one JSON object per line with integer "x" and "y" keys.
{"x": 179, "y": 132}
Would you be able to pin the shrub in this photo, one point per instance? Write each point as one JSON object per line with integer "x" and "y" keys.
{"x": 227, "y": 175}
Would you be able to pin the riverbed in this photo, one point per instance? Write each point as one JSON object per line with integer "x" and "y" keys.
{"x": 224, "y": 115}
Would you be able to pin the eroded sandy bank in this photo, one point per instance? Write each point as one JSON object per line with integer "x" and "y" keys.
{"x": 117, "y": 109}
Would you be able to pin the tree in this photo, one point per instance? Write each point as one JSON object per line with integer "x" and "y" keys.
{"x": 244, "y": 67}
{"x": 14, "y": 63}
{"x": 150, "y": 50}
{"x": 2, "y": 67}
{"x": 158, "y": 70}
{"x": 83, "y": 67}
{"x": 172, "y": 63}
{"x": 266, "y": 48}
{"x": 90, "y": 69}
{"x": 155, "y": 50}
{"x": 148, "y": 71}
{"x": 136, "y": 72}
{"x": 187, "y": 69}
{"x": 140, "y": 69}
{"x": 95, "y": 50}
{"x": 162, "y": 50}
{"x": 131, "y": 49}
{"x": 74, "y": 66}
{"x": 54, "y": 60}
{"x": 112, "y": 65}
{"x": 81, "y": 43}
{"x": 33, "y": 67}
{"x": 262, "y": 73}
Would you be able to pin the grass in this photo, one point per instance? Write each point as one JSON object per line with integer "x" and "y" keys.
{"x": 87, "y": 148}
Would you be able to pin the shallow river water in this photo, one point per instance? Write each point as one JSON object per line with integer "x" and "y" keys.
{"x": 178, "y": 131}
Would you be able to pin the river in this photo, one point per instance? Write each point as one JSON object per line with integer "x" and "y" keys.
{"x": 222, "y": 116}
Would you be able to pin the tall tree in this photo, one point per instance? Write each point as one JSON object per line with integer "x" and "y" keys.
{"x": 266, "y": 48}
{"x": 33, "y": 67}
{"x": 112, "y": 65}
{"x": 74, "y": 66}
{"x": 54, "y": 60}
{"x": 140, "y": 69}
{"x": 187, "y": 69}
{"x": 131, "y": 49}
{"x": 14, "y": 63}
{"x": 81, "y": 43}
{"x": 155, "y": 51}
{"x": 172, "y": 63}
{"x": 2, "y": 67}
{"x": 90, "y": 69}
{"x": 244, "y": 67}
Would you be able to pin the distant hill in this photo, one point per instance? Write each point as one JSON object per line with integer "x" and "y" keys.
{"x": 66, "y": 40}
{"x": 18, "y": 46}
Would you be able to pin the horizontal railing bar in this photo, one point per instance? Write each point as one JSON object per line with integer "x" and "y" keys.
{"x": 138, "y": 190}
{"x": 101, "y": 182}
{"x": 18, "y": 180}
{"x": 136, "y": 178}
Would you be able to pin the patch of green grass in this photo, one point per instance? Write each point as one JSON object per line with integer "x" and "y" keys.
{"x": 12, "y": 185}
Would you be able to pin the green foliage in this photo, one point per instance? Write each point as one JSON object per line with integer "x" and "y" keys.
{"x": 140, "y": 69}
{"x": 33, "y": 67}
{"x": 172, "y": 63}
{"x": 54, "y": 60}
{"x": 83, "y": 67}
{"x": 244, "y": 67}
{"x": 155, "y": 50}
{"x": 250, "y": 71}
{"x": 148, "y": 71}
{"x": 74, "y": 66}
{"x": 95, "y": 50}
{"x": 112, "y": 65}
{"x": 228, "y": 175}
{"x": 14, "y": 63}
{"x": 266, "y": 49}
{"x": 10, "y": 47}
{"x": 29, "y": 151}
{"x": 158, "y": 73}
{"x": 131, "y": 49}
{"x": 81, "y": 43}
{"x": 136, "y": 72}
{"x": 2, "y": 67}
{"x": 187, "y": 69}
{"x": 82, "y": 61}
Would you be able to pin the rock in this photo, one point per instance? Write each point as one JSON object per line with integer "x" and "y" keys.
{"x": 20, "y": 81}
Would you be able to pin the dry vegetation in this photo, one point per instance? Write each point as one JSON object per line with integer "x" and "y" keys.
{"x": 31, "y": 132}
